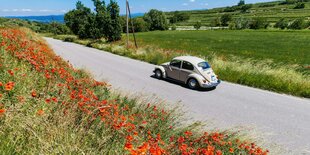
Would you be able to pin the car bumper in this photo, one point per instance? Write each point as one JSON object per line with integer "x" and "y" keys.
{"x": 210, "y": 85}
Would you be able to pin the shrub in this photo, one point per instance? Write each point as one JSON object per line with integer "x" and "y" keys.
{"x": 265, "y": 5}
{"x": 197, "y": 25}
{"x": 245, "y": 8}
{"x": 242, "y": 23}
{"x": 216, "y": 22}
{"x": 297, "y": 24}
{"x": 258, "y": 23}
{"x": 179, "y": 16}
{"x": 299, "y": 5}
{"x": 225, "y": 18}
{"x": 173, "y": 27}
{"x": 232, "y": 26}
{"x": 282, "y": 24}
{"x": 307, "y": 25}
{"x": 69, "y": 39}
{"x": 231, "y": 9}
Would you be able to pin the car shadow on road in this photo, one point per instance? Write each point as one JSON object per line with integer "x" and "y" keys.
{"x": 183, "y": 85}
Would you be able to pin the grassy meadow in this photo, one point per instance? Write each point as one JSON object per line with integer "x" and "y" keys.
{"x": 283, "y": 47}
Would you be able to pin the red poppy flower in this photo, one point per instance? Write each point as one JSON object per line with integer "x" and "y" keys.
{"x": 33, "y": 94}
{"x": 9, "y": 86}
{"x": 2, "y": 111}
{"x": 231, "y": 150}
{"x": 128, "y": 146}
{"x": 11, "y": 72}
{"x": 40, "y": 112}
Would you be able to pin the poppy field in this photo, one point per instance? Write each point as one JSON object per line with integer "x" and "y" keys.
{"x": 48, "y": 107}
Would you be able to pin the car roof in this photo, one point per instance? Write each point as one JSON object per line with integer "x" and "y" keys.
{"x": 191, "y": 59}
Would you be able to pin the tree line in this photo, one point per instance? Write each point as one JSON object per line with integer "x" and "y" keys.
{"x": 103, "y": 23}
{"x": 106, "y": 21}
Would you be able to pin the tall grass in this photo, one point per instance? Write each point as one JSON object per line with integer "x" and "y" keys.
{"x": 282, "y": 79}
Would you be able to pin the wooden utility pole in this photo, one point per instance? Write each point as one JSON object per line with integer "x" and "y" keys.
{"x": 132, "y": 26}
{"x": 128, "y": 15}
{"x": 127, "y": 25}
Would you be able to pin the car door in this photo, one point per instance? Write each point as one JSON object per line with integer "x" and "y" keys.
{"x": 185, "y": 71}
{"x": 173, "y": 69}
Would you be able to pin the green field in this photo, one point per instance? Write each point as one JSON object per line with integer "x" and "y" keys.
{"x": 271, "y": 11}
{"x": 284, "y": 47}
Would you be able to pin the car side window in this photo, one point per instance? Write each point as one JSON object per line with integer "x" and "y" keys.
{"x": 188, "y": 66}
{"x": 175, "y": 63}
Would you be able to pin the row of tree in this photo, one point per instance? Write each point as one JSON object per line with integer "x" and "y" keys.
{"x": 151, "y": 21}
{"x": 105, "y": 22}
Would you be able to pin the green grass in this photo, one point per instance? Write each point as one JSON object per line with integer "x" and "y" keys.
{"x": 271, "y": 14}
{"x": 284, "y": 47}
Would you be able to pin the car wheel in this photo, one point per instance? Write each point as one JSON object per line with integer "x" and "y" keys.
{"x": 158, "y": 74}
{"x": 192, "y": 83}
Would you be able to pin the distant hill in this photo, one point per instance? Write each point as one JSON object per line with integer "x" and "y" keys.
{"x": 134, "y": 15}
{"x": 42, "y": 19}
{"x": 271, "y": 11}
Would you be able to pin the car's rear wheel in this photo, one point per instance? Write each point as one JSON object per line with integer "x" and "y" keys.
{"x": 192, "y": 83}
{"x": 158, "y": 74}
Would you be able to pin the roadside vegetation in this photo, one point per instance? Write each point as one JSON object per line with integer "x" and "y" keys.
{"x": 48, "y": 107}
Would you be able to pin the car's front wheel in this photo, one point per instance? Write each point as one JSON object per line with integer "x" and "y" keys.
{"x": 158, "y": 74}
{"x": 192, "y": 83}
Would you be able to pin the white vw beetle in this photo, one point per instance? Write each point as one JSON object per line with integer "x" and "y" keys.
{"x": 193, "y": 71}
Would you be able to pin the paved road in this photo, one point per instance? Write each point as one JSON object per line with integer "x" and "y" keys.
{"x": 284, "y": 120}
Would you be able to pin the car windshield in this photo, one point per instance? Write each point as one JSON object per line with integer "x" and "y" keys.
{"x": 204, "y": 65}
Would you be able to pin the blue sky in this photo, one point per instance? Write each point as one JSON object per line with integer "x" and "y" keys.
{"x": 56, "y": 7}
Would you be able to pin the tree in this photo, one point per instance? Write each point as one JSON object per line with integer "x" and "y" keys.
{"x": 101, "y": 19}
{"x": 140, "y": 25}
{"x": 258, "y": 23}
{"x": 225, "y": 18}
{"x": 197, "y": 25}
{"x": 114, "y": 22}
{"x": 215, "y": 22}
{"x": 156, "y": 19}
{"x": 58, "y": 28}
{"x": 241, "y": 2}
{"x": 78, "y": 19}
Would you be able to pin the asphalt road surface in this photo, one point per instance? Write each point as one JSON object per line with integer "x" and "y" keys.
{"x": 282, "y": 119}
